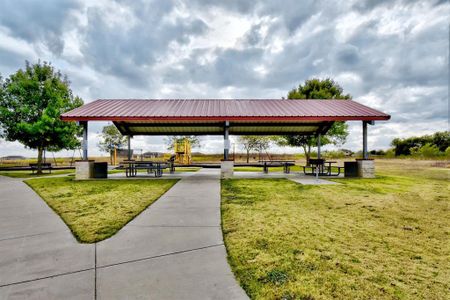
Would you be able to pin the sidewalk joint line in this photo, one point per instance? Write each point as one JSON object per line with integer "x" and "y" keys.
{"x": 176, "y": 226}
{"x": 160, "y": 255}
{"x": 45, "y": 277}
{"x": 29, "y": 235}
{"x": 95, "y": 271}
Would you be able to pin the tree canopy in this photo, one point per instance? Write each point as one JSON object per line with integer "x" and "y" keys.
{"x": 318, "y": 89}
{"x": 440, "y": 141}
{"x": 31, "y": 103}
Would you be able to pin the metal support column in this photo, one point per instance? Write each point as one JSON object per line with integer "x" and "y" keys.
{"x": 84, "y": 145}
{"x": 365, "y": 153}
{"x": 318, "y": 145}
{"x": 129, "y": 146}
{"x": 226, "y": 141}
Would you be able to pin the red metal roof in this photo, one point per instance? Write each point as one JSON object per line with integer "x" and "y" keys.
{"x": 223, "y": 110}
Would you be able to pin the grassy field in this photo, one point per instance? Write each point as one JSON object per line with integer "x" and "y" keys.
{"x": 96, "y": 210}
{"x": 383, "y": 238}
{"x": 28, "y": 174}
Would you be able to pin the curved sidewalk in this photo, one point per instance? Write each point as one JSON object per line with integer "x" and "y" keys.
{"x": 172, "y": 250}
{"x": 39, "y": 257}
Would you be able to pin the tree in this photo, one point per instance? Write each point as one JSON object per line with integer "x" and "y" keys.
{"x": 110, "y": 139}
{"x": 171, "y": 140}
{"x": 254, "y": 142}
{"x": 31, "y": 103}
{"x": 426, "y": 151}
{"x": 318, "y": 89}
{"x": 439, "y": 139}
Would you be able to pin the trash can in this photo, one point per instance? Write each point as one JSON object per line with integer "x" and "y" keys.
{"x": 350, "y": 169}
{"x": 100, "y": 170}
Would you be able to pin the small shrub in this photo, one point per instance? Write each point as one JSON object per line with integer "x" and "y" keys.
{"x": 276, "y": 277}
{"x": 390, "y": 153}
{"x": 426, "y": 151}
{"x": 447, "y": 152}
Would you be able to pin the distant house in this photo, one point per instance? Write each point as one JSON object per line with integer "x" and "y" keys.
{"x": 347, "y": 152}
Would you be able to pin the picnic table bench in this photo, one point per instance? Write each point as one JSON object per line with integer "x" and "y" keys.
{"x": 286, "y": 164}
{"x": 44, "y": 166}
{"x": 157, "y": 167}
{"x": 322, "y": 167}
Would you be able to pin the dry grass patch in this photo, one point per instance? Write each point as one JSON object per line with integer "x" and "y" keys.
{"x": 383, "y": 238}
{"x": 96, "y": 210}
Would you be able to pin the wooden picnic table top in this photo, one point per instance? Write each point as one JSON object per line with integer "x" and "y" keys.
{"x": 324, "y": 161}
{"x": 142, "y": 162}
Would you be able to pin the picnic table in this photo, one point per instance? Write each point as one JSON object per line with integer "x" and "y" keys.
{"x": 44, "y": 166}
{"x": 132, "y": 167}
{"x": 286, "y": 164}
{"x": 322, "y": 167}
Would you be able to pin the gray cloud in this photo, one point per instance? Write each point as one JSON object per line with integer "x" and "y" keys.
{"x": 130, "y": 52}
{"x": 367, "y": 5}
{"x": 38, "y": 21}
{"x": 395, "y": 62}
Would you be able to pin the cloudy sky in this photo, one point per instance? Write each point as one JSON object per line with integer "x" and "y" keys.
{"x": 391, "y": 55}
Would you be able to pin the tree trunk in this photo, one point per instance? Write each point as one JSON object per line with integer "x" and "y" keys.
{"x": 39, "y": 160}
{"x": 248, "y": 155}
{"x": 307, "y": 153}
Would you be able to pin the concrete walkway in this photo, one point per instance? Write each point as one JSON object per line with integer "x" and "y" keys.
{"x": 172, "y": 250}
{"x": 39, "y": 257}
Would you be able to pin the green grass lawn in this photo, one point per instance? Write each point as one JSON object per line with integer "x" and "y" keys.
{"x": 96, "y": 210}
{"x": 383, "y": 238}
{"x": 27, "y": 174}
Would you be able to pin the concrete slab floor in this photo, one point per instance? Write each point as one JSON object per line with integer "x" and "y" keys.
{"x": 39, "y": 257}
{"x": 172, "y": 250}
{"x": 199, "y": 274}
{"x": 79, "y": 285}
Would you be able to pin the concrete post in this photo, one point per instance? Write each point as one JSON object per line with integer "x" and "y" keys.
{"x": 365, "y": 153}
{"x": 129, "y": 146}
{"x": 84, "y": 124}
{"x": 226, "y": 141}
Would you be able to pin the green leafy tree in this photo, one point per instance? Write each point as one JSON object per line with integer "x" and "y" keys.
{"x": 426, "y": 151}
{"x": 31, "y": 103}
{"x": 447, "y": 152}
{"x": 317, "y": 89}
{"x": 404, "y": 146}
{"x": 441, "y": 140}
{"x": 110, "y": 139}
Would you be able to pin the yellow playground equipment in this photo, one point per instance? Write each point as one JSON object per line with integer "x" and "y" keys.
{"x": 183, "y": 151}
